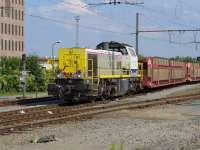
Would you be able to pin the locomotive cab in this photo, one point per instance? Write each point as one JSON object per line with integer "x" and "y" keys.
{"x": 125, "y": 50}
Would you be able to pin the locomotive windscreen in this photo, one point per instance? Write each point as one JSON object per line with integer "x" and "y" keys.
{"x": 113, "y": 46}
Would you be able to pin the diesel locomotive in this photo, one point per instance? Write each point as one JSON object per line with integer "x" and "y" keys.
{"x": 110, "y": 70}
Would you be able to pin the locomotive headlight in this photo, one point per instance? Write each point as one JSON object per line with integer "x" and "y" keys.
{"x": 58, "y": 76}
{"x": 78, "y": 75}
{"x": 61, "y": 75}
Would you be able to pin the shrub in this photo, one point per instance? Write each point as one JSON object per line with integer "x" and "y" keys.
{"x": 10, "y": 71}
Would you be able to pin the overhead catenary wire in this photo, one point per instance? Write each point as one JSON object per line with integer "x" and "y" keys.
{"x": 95, "y": 13}
{"x": 167, "y": 41}
{"x": 96, "y": 28}
{"x": 73, "y": 24}
{"x": 115, "y": 2}
{"x": 170, "y": 20}
{"x": 169, "y": 30}
{"x": 157, "y": 12}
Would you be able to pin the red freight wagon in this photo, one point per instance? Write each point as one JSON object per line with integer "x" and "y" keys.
{"x": 193, "y": 72}
{"x": 160, "y": 72}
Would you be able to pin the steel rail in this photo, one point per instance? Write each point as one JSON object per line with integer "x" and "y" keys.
{"x": 11, "y": 102}
{"x": 17, "y": 114}
{"x": 66, "y": 114}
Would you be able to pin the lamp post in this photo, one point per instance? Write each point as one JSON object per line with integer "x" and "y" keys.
{"x": 52, "y": 52}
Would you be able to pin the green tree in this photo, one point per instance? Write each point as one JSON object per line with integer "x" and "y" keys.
{"x": 10, "y": 72}
{"x": 38, "y": 72}
{"x": 3, "y": 83}
{"x": 185, "y": 59}
{"x": 9, "y": 65}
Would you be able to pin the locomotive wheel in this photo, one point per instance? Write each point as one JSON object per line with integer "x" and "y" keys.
{"x": 92, "y": 99}
{"x": 61, "y": 93}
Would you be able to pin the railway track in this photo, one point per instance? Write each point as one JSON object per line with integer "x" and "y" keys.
{"x": 11, "y": 102}
{"x": 14, "y": 121}
{"x": 29, "y": 101}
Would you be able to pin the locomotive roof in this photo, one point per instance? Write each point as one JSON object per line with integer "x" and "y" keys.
{"x": 112, "y": 44}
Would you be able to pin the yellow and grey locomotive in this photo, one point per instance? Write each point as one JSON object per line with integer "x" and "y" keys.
{"x": 109, "y": 70}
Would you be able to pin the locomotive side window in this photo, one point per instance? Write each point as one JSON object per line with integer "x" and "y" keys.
{"x": 114, "y": 47}
{"x": 132, "y": 51}
{"x": 123, "y": 51}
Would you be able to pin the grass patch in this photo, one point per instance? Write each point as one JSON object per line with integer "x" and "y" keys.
{"x": 115, "y": 147}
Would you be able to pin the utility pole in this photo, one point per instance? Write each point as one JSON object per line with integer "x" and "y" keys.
{"x": 137, "y": 34}
{"x": 77, "y": 18}
{"x": 24, "y": 75}
{"x": 53, "y": 58}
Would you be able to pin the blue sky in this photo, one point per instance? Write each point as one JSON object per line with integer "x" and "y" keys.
{"x": 50, "y": 20}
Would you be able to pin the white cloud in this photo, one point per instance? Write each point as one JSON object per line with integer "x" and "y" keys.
{"x": 76, "y": 7}
{"x": 92, "y": 18}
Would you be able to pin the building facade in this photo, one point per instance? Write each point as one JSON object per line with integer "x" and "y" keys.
{"x": 11, "y": 28}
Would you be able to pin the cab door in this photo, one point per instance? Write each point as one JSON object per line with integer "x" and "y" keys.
{"x": 133, "y": 61}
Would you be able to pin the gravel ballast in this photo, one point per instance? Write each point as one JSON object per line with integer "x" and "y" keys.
{"x": 156, "y": 128}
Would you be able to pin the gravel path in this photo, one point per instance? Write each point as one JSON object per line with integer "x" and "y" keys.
{"x": 158, "y": 128}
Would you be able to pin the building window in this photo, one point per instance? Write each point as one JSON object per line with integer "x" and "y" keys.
{"x": 2, "y": 11}
{"x": 5, "y": 28}
{"x": 19, "y": 30}
{"x": 19, "y": 15}
{"x": 22, "y": 31}
{"x": 13, "y": 45}
{"x": 9, "y": 47}
{"x": 5, "y": 44}
{"x": 13, "y": 29}
{"x": 9, "y": 29}
{"x": 1, "y": 44}
{"x": 22, "y": 46}
{"x": 1, "y": 28}
{"x": 7, "y": 8}
{"x": 16, "y": 30}
{"x": 19, "y": 45}
{"x": 22, "y": 15}
{"x": 15, "y": 14}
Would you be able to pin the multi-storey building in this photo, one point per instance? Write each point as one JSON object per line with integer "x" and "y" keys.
{"x": 11, "y": 28}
